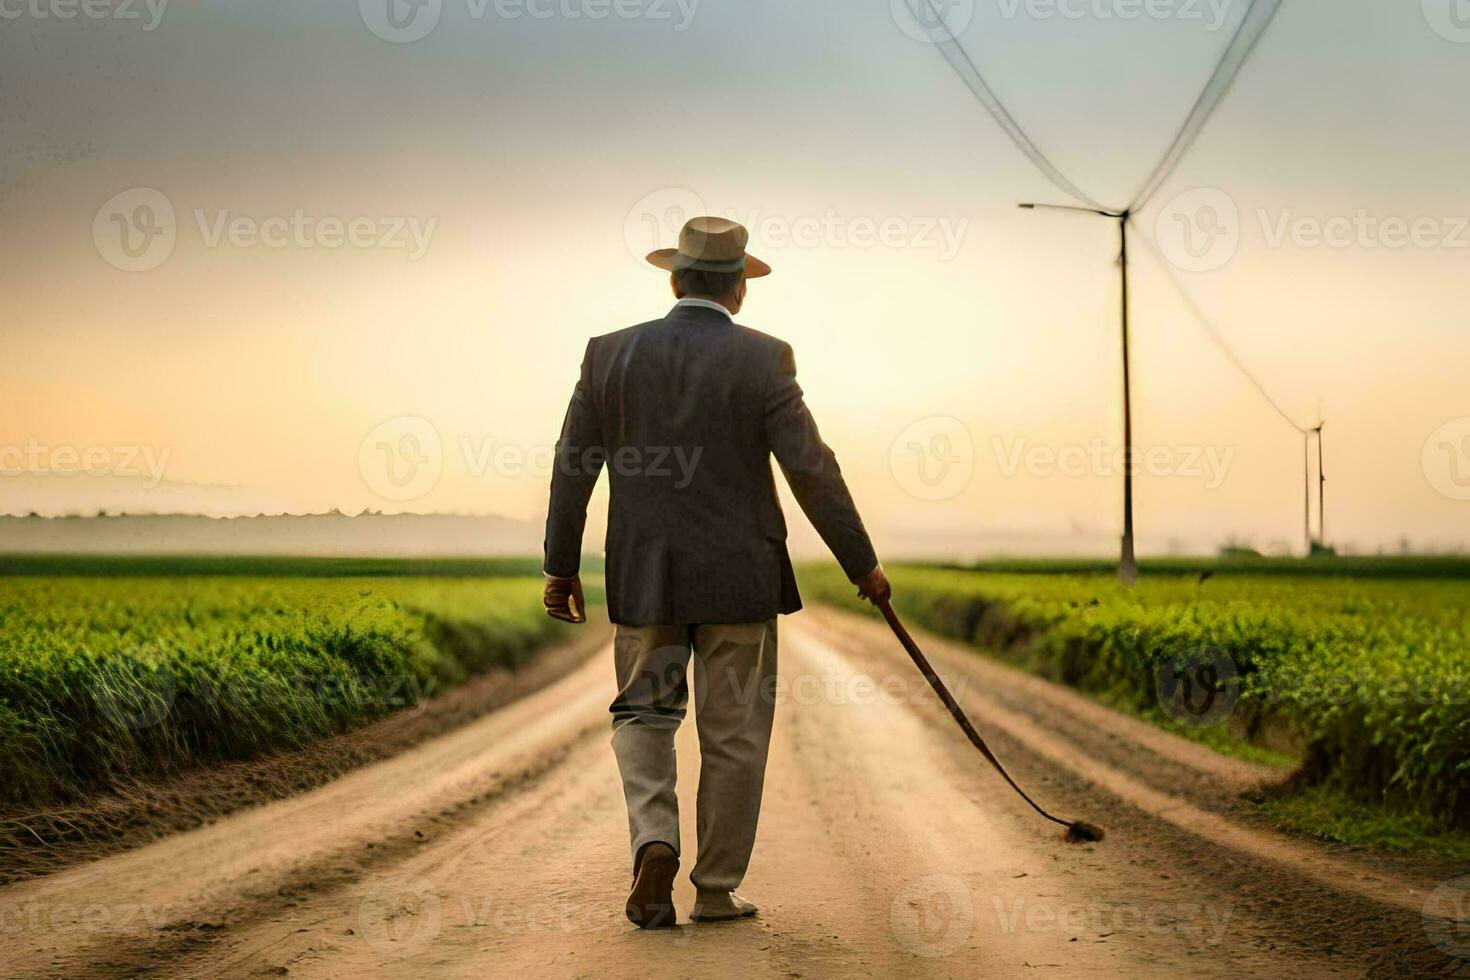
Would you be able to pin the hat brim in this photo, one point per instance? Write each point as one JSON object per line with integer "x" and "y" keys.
{"x": 664, "y": 258}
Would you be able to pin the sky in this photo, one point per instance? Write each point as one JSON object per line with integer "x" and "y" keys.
{"x": 294, "y": 255}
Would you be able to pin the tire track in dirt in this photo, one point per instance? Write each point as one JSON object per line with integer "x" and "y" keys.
{"x": 135, "y": 910}
{"x": 33, "y": 844}
{"x": 1379, "y": 885}
{"x": 1362, "y": 913}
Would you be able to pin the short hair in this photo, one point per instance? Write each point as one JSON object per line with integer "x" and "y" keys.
{"x": 697, "y": 282}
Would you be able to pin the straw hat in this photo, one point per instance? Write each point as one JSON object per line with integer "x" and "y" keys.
{"x": 711, "y": 245}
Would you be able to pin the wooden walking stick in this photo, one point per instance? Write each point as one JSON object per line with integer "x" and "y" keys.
{"x": 1078, "y": 831}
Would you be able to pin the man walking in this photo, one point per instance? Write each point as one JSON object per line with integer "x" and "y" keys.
{"x": 685, "y": 412}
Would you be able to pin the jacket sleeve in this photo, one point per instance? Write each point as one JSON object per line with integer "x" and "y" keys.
{"x": 811, "y": 469}
{"x": 580, "y": 453}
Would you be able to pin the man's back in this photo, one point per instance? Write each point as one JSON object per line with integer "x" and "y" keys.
{"x": 685, "y": 412}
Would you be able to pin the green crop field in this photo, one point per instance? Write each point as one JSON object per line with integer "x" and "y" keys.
{"x": 128, "y": 672}
{"x": 1368, "y": 677}
{"x": 124, "y": 668}
{"x": 1339, "y": 566}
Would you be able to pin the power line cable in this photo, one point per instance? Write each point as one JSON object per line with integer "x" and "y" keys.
{"x": 1248, "y": 33}
{"x": 959, "y": 59}
{"x": 1252, "y": 28}
{"x": 1211, "y": 329}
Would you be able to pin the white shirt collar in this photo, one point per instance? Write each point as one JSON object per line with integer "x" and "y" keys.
{"x": 706, "y": 303}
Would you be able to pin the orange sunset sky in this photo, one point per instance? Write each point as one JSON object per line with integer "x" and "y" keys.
{"x": 365, "y": 230}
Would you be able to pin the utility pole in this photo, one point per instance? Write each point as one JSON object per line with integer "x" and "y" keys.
{"x": 1127, "y": 565}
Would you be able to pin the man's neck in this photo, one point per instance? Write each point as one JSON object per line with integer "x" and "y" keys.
{"x": 707, "y": 301}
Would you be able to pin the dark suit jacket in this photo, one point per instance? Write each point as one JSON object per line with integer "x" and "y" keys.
{"x": 685, "y": 413}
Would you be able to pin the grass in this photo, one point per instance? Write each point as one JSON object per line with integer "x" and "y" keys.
{"x": 105, "y": 679}
{"x": 1221, "y": 738}
{"x": 1328, "y": 814}
{"x": 194, "y": 566}
{"x": 1342, "y": 566}
{"x": 1365, "y": 679}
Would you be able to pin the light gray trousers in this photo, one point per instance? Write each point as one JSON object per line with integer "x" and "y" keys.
{"x": 734, "y": 701}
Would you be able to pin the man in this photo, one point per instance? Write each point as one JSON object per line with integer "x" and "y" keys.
{"x": 686, "y": 412}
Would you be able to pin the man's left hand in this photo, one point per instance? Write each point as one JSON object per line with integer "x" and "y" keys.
{"x": 563, "y": 599}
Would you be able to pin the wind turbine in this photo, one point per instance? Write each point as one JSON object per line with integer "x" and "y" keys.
{"x": 1321, "y": 490}
{"x": 1307, "y": 487}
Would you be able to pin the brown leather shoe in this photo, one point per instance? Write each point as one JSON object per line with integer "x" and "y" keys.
{"x": 651, "y": 902}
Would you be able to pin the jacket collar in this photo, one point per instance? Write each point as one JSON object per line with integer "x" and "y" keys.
{"x": 691, "y": 304}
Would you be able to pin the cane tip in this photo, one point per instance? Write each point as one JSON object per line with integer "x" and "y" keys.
{"x": 1080, "y": 832}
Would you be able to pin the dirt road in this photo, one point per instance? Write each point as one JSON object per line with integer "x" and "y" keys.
{"x": 886, "y": 849}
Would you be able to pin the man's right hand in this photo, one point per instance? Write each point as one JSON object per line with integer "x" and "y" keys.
{"x": 563, "y": 599}
{"x": 874, "y": 586}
